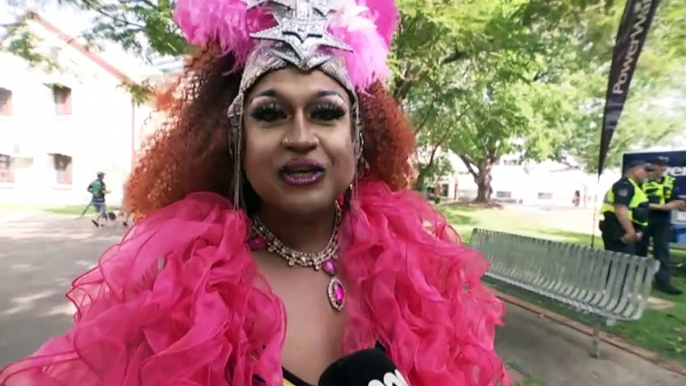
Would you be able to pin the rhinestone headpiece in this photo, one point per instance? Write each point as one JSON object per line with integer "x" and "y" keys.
{"x": 300, "y": 38}
{"x": 301, "y": 30}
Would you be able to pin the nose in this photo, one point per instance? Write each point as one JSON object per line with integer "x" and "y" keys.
{"x": 300, "y": 138}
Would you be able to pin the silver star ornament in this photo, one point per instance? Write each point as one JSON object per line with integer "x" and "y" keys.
{"x": 302, "y": 27}
{"x": 256, "y": 3}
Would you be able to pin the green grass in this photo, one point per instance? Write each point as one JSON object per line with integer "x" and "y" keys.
{"x": 466, "y": 219}
{"x": 663, "y": 331}
{"x": 526, "y": 378}
{"x": 16, "y": 208}
{"x": 77, "y": 209}
{"x": 68, "y": 209}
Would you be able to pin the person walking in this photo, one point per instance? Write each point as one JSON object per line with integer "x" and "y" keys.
{"x": 664, "y": 197}
{"x": 98, "y": 190}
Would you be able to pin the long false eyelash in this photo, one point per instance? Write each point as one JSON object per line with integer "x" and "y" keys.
{"x": 334, "y": 110}
{"x": 268, "y": 112}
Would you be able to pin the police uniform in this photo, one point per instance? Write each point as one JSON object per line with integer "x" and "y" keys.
{"x": 659, "y": 229}
{"x": 624, "y": 192}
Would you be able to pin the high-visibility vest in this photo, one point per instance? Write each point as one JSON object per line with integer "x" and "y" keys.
{"x": 659, "y": 191}
{"x": 638, "y": 207}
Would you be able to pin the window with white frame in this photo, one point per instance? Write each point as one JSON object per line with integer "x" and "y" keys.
{"x": 62, "y": 165}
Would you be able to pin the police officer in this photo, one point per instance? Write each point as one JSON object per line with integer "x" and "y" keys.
{"x": 625, "y": 210}
{"x": 663, "y": 199}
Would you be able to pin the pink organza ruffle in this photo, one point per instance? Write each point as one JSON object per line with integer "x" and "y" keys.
{"x": 418, "y": 290}
{"x": 197, "y": 321}
{"x": 180, "y": 302}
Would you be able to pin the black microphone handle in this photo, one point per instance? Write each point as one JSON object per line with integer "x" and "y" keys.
{"x": 368, "y": 367}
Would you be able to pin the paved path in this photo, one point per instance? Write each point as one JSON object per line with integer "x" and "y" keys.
{"x": 41, "y": 254}
{"x": 555, "y": 355}
{"x": 39, "y": 257}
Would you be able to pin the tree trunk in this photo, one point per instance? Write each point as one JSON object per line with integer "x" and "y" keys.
{"x": 483, "y": 181}
{"x": 481, "y": 172}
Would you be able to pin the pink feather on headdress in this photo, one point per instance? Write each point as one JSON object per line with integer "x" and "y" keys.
{"x": 367, "y": 26}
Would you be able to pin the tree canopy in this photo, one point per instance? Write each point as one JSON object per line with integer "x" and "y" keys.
{"x": 527, "y": 77}
{"x": 485, "y": 78}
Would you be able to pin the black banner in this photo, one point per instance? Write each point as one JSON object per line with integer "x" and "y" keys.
{"x": 633, "y": 30}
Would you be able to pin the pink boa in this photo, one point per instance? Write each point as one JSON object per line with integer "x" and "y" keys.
{"x": 200, "y": 320}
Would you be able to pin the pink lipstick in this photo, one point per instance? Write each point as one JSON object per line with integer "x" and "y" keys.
{"x": 302, "y": 172}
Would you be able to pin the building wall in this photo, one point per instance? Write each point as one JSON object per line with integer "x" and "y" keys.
{"x": 101, "y": 133}
{"x": 546, "y": 184}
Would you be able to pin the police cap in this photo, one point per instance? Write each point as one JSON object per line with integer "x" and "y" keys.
{"x": 637, "y": 164}
{"x": 660, "y": 161}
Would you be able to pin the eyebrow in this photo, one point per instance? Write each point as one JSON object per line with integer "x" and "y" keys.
{"x": 325, "y": 93}
{"x": 319, "y": 94}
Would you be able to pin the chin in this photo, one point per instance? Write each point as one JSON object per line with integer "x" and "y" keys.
{"x": 307, "y": 203}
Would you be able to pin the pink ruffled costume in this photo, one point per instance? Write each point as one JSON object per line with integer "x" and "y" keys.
{"x": 180, "y": 302}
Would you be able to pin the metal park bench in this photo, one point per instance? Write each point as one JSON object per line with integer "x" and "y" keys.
{"x": 609, "y": 286}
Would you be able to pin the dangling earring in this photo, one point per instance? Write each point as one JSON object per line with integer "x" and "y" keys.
{"x": 237, "y": 173}
{"x": 235, "y": 115}
{"x": 347, "y": 198}
{"x": 361, "y": 166}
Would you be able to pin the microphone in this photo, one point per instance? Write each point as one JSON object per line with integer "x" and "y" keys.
{"x": 364, "y": 368}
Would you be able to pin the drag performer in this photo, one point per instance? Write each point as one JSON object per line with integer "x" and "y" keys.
{"x": 276, "y": 232}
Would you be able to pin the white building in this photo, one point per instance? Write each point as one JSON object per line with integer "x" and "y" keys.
{"x": 547, "y": 183}
{"x": 59, "y": 128}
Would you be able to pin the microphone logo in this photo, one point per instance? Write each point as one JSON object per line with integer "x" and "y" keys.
{"x": 390, "y": 379}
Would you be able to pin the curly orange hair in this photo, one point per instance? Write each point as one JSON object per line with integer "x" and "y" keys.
{"x": 190, "y": 151}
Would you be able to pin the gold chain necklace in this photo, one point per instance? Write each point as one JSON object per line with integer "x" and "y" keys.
{"x": 324, "y": 260}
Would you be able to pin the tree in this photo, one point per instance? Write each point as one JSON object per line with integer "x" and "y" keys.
{"x": 143, "y": 27}
{"x": 654, "y": 114}
{"x": 512, "y": 63}
{"x": 648, "y": 119}
{"x": 458, "y": 72}
{"x": 479, "y": 78}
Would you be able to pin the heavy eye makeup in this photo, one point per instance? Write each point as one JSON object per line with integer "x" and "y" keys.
{"x": 268, "y": 112}
{"x": 325, "y": 111}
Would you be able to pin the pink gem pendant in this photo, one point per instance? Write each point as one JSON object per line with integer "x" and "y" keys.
{"x": 336, "y": 294}
{"x": 329, "y": 267}
{"x": 257, "y": 242}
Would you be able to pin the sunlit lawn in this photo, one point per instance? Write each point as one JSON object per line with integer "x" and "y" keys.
{"x": 77, "y": 209}
{"x": 68, "y": 209}
{"x": 663, "y": 330}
